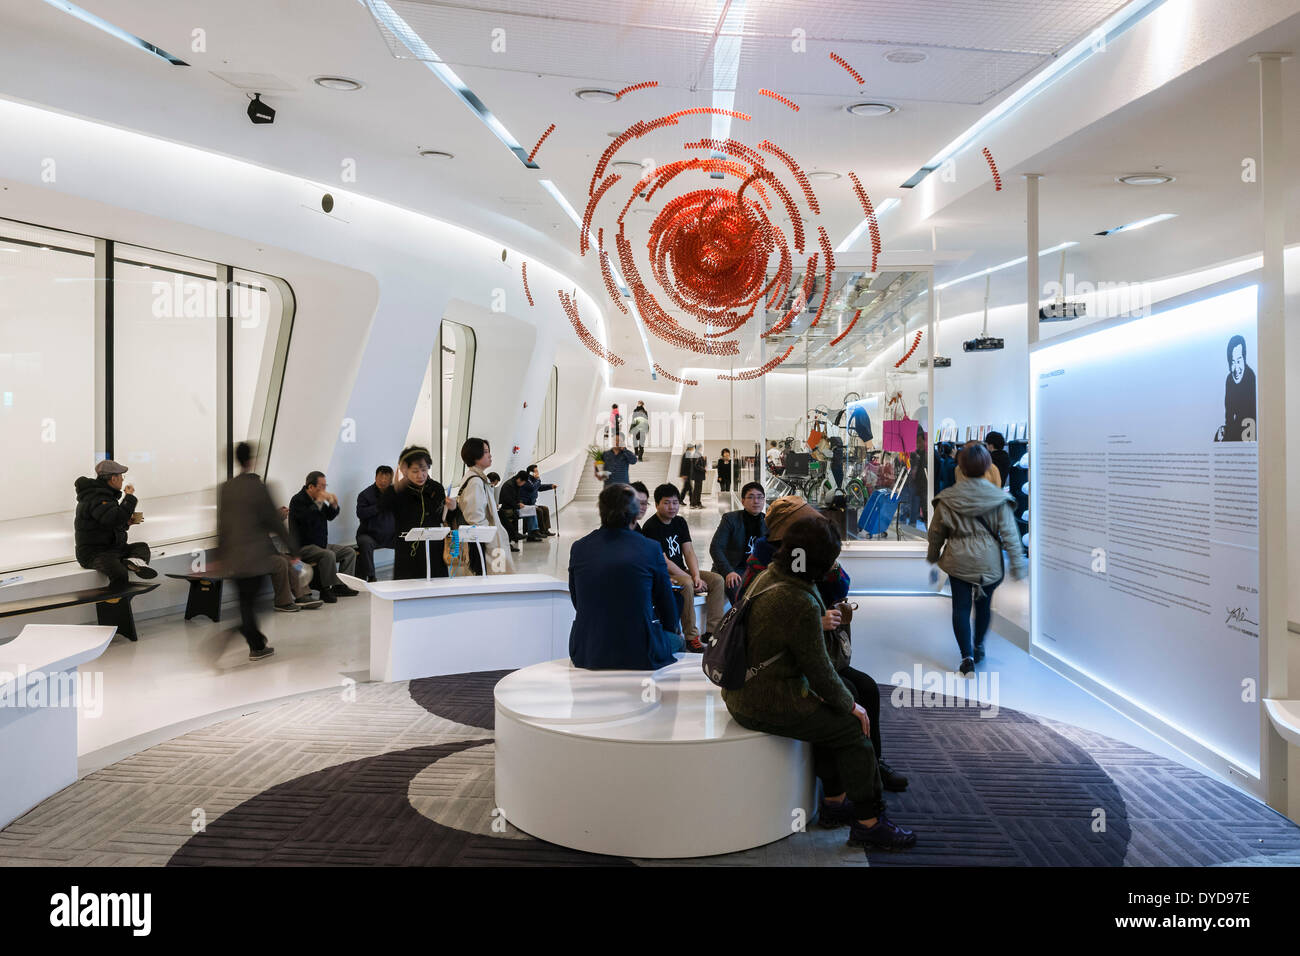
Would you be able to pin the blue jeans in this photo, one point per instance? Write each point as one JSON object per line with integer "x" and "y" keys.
{"x": 530, "y": 523}
{"x": 962, "y": 592}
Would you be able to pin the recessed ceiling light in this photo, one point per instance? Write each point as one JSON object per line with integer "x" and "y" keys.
{"x": 823, "y": 174}
{"x": 436, "y": 154}
{"x": 907, "y": 56}
{"x": 594, "y": 95}
{"x": 341, "y": 83}
{"x": 872, "y": 109}
{"x": 1144, "y": 179}
{"x": 627, "y": 164}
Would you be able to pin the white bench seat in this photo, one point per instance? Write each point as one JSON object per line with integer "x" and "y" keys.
{"x": 642, "y": 764}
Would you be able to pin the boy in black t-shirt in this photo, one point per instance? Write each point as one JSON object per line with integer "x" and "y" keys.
{"x": 668, "y": 528}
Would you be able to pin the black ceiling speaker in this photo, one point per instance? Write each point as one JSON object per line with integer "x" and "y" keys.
{"x": 327, "y": 202}
{"x": 260, "y": 112}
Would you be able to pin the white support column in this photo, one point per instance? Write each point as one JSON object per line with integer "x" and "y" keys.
{"x": 1271, "y": 428}
{"x": 931, "y": 318}
{"x": 1031, "y": 251}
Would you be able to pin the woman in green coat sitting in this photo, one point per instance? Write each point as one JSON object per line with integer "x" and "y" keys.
{"x": 799, "y": 694}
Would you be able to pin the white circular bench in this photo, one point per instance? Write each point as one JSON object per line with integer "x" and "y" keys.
{"x": 642, "y": 764}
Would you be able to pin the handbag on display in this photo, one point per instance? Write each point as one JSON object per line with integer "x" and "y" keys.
{"x": 455, "y": 552}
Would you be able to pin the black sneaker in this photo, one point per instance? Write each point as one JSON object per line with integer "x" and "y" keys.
{"x": 967, "y": 667}
{"x": 328, "y": 596}
{"x": 979, "y": 653}
{"x": 885, "y": 835}
{"x": 142, "y": 570}
{"x": 307, "y": 602}
{"x": 342, "y": 590}
{"x": 261, "y": 655}
{"x": 694, "y": 646}
{"x": 286, "y": 607}
{"x": 534, "y": 538}
{"x": 514, "y": 548}
{"x": 892, "y": 780}
{"x": 548, "y": 534}
{"x": 834, "y": 815}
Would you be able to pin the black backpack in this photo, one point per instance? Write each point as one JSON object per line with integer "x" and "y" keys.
{"x": 726, "y": 657}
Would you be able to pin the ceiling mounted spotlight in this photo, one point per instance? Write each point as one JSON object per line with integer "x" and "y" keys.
{"x": 260, "y": 112}
{"x": 1144, "y": 179}
{"x": 627, "y": 164}
{"x": 595, "y": 95}
{"x": 907, "y": 56}
{"x": 340, "y": 83}
{"x": 872, "y": 109}
{"x": 824, "y": 174}
{"x": 436, "y": 154}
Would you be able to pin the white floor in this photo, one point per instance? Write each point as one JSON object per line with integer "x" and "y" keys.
{"x": 184, "y": 675}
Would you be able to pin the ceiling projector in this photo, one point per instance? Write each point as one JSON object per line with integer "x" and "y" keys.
{"x": 940, "y": 361}
{"x": 983, "y": 343}
{"x": 1062, "y": 311}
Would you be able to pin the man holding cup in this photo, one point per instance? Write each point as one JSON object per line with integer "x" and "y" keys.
{"x": 101, "y": 525}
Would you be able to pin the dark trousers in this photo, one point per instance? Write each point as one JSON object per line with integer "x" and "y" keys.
{"x": 544, "y": 517}
{"x": 248, "y": 590}
{"x": 962, "y": 599}
{"x": 509, "y": 517}
{"x": 112, "y": 563}
{"x": 724, "y": 481}
{"x": 843, "y": 757}
{"x": 691, "y": 489}
{"x": 367, "y": 545}
{"x": 867, "y": 693}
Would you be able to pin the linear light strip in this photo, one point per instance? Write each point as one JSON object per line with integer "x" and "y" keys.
{"x": 1110, "y": 29}
{"x": 999, "y": 268}
{"x": 726, "y": 73}
{"x": 99, "y": 23}
{"x": 423, "y": 52}
{"x": 1140, "y": 224}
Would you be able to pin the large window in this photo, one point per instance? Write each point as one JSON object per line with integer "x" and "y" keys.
{"x": 441, "y": 418}
{"x": 545, "y": 444}
{"x": 153, "y": 359}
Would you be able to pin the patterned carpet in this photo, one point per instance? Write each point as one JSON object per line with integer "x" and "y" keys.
{"x": 401, "y": 774}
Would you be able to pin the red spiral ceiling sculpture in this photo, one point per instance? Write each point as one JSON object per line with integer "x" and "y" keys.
{"x": 523, "y": 271}
{"x": 908, "y": 354}
{"x": 549, "y": 130}
{"x": 724, "y": 241}
{"x": 993, "y": 167}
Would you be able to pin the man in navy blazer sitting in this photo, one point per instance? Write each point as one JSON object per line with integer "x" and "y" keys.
{"x": 620, "y": 589}
{"x": 733, "y": 542}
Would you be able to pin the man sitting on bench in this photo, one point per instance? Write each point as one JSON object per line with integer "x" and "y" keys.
{"x": 310, "y": 512}
{"x": 101, "y": 524}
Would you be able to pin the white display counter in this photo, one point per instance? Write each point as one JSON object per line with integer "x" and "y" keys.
{"x": 642, "y": 764}
{"x": 38, "y": 711}
{"x": 425, "y": 628}
{"x": 890, "y": 567}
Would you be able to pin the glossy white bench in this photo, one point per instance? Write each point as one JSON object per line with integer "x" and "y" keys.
{"x": 425, "y": 628}
{"x": 38, "y": 736}
{"x": 642, "y": 764}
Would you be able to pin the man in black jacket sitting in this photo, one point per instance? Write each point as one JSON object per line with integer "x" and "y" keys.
{"x": 508, "y": 496}
{"x": 378, "y": 528}
{"x": 735, "y": 537}
{"x": 101, "y": 523}
{"x": 310, "y": 512}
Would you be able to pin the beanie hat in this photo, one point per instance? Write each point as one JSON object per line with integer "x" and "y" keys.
{"x": 785, "y": 511}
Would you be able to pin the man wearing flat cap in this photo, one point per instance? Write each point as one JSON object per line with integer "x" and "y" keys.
{"x": 104, "y": 513}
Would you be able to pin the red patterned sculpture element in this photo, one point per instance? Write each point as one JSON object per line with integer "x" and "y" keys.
{"x": 753, "y": 373}
{"x": 711, "y": 253}
{"x": 870, "y": 212}
{"x": 523, "y": 270}
{"x": 780, "y": 99}
{"x": 584, "y": 335}
{"x": 673, "y": 378}
{"x": 649, "y": 84}
{"x": 836, "y": 341}
{"x": 997, "y": 179}
{"x": 549, "y": 130}
{"x": 908, "y": 354}
{"x": 852, "y": 72}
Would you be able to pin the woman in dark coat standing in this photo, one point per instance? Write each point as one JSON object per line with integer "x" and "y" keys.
{"x": 416, "y": 500}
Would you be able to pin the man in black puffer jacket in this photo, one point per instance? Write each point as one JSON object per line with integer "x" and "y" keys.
{"x": 101, "y": 523}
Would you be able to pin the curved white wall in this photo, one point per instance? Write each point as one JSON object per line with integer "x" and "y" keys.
{"x": 372, "y": 282}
